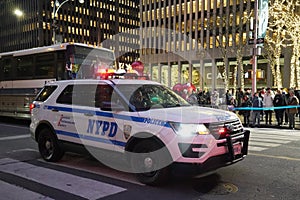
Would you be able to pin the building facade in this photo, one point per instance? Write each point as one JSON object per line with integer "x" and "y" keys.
{"x": 94, "y": 22}
{"x": 201, "y": 42}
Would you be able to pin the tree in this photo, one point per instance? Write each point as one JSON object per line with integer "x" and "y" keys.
{"x": 293, "y": 32}
{"x": 283, "y": 31}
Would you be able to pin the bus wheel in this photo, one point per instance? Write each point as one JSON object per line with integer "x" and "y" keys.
{"x": 49, "y": 147}
{"x": 149, "y": 163}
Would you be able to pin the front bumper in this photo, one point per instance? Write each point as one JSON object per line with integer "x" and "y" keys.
{"x": 215, "y": 162}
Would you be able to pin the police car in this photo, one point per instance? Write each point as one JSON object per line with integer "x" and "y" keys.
{"x": 154, "y": 131}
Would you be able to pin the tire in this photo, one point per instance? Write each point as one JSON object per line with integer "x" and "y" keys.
{"x": 49, "y": 147}
{"x": 150, "y": 162}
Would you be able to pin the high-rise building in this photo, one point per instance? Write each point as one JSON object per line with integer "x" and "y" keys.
{"x": 199, "y": 41}
{"x": 94, "y": 22}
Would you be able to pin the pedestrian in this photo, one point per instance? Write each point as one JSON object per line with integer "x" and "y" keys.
{"x": 239, "y": 96}
{"x": 257, "y": 104}
{"x": 214, "y": 99}
{"x": 294, "y": 102}
{"x": 246, "y": 104}
{"x": 279, "y": 102}
{"x": 201, "y": 97}
{"x": 297, "y": 94}
{"x": 69, "y": 70}
{"x": 206, "y": 96}
{"x": 232, "y": 104}
{"x": 228, "y": 97}
{"x": 268, "y": 104}
{"x": 285, "y": 95}
{"x": 262, "y": 93}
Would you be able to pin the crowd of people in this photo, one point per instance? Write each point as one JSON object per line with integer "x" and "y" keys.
{"x": 261, "y": 106}
{"x": 283, "y": 103}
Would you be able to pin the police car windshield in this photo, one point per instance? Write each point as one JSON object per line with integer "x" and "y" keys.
{"x": 145, "y": 97}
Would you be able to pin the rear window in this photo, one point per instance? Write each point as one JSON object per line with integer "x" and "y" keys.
{"x": 45, "y": 93}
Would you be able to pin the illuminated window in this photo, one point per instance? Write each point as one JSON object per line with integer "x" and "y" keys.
{"x": 230, "y": 40}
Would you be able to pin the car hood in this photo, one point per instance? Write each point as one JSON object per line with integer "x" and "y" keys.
{"x": 189, "y": 114}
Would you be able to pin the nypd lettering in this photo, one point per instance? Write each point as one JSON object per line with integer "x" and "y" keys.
{"x": 100, "y": 127}
{"x": 154, "y": 121}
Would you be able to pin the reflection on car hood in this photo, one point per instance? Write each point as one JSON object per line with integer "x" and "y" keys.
{"x": 190, "y": 114}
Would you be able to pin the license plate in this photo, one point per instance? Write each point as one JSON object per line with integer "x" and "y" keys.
{"x": 237, "y": 149}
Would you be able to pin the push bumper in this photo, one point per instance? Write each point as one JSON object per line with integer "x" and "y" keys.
{"x": 233, "y": 155}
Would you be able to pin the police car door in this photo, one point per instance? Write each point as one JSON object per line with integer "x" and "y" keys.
{"x": 99, "y": 125}
{"x": 82, "y": 121}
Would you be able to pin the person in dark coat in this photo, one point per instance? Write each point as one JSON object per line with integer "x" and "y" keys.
{"x": 278, "y": 102}
{"x": 246, "y": 103}
{"x": 257, "y": 104}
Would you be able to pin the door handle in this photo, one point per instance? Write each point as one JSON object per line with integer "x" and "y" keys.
{"x": 89, "y": 114}
{"x": 54, "y": 110}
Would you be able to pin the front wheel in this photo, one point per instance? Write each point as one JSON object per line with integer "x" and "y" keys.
{"x": 49, "y": 147}
{"x": 150, "y": 162}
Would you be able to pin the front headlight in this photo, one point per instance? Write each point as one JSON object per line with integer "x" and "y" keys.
{"x": 189, "y": 129}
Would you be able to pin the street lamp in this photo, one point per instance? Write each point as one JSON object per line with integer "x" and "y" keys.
{"x": 18, "y": 12}
{"x": 56, "y": 8}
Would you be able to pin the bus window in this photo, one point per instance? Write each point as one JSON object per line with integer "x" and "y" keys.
{"x": 45, "y": 66}
{"x": 60, "y": 65}
{"x": 6, "y": 69}
{"x": 24, "y": 67}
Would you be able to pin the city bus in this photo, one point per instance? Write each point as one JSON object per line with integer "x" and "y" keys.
{"x": 24, "y": 72}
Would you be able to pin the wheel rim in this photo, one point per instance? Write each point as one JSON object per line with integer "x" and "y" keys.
{"x": 47, "y": 148}
{"x": 147, "y": 166}
{"x": 148, "y": 163}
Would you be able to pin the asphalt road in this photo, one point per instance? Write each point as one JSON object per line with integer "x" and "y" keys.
{"x": 271, "y": 171}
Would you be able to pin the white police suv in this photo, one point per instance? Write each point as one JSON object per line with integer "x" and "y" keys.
{"x": 150, "y": 130}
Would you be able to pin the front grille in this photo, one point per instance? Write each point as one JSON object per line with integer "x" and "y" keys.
{"x": 235, "y": 127}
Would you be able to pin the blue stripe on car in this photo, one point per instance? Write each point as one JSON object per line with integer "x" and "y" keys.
{"x": 111, "y": 115}
{"x": 91, "y": 138}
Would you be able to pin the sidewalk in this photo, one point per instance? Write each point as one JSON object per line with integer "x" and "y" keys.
{"x": 274, "y": 123}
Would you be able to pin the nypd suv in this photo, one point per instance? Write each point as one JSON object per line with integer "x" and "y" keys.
{"x": 151, "y": 129}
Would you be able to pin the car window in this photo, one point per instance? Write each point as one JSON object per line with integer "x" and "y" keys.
{"x": 45, "y": 93}
{"x": 145, "y": 97}
{"x": 66, "y": 96}
{"x": 83, "y": 95}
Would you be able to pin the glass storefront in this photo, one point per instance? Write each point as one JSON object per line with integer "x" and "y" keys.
{"x": 165, "y": 74}
{"x": 174, "y": 74}
{"x": 209, "y": 76}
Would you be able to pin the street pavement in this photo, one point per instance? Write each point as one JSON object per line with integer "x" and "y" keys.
{"x": 269, "y": 172}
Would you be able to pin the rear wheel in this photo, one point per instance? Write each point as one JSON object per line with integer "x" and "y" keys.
{"x": 49, "y": 147}
{"x": 150, "y": 163}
